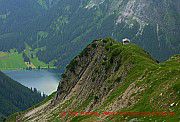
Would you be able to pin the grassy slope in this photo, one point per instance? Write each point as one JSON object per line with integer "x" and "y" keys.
{"x": 161, "y": 83}
{"x": 35, "y": 61}
{"x": 14, "y": 60}
{"x": 11, "y": 61}
{"x": 162, "y": 90}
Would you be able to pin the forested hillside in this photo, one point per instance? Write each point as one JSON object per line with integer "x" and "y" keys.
{"x": 15, "y": 97}
{"x": 61, "y": 28}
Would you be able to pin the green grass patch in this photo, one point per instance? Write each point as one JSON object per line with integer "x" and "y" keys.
{"x": 10, "y": 61}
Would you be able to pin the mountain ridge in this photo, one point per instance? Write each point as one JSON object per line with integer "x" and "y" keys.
{"x": 109, "y": 76}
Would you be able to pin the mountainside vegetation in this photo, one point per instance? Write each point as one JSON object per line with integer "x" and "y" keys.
{"x": 15, "y": 97}
{"x": 64, "y": 27}
{"x": 11, "y": 60}
{"x": 108, "y": 76}
{"x": 27, "y": 59}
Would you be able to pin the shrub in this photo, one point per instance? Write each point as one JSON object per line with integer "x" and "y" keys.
{"x": 105, "y": 41}
{"x": 63, "y": 75}
{"x": 72, "y": 65}
{"x": 94, "y": 45}
{"x": 96, "y": 98}
{"x": 85, "y": 52}
{"x": 119, "y": 79}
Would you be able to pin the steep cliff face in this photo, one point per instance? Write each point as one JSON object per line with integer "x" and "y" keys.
{"x": 109, "y": 76}
{"x": 143, "y": 11}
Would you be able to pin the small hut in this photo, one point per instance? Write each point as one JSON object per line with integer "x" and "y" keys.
{"x": 126, "y": 41}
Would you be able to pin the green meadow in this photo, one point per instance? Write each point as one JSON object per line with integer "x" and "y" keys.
{"x": 13, "y": 60}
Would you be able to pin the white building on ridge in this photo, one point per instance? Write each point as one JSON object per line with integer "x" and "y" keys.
{"x": 126, "y": 41}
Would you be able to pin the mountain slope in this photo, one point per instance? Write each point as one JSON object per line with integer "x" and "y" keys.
{"x": 151, "y": 24}
{"x": 64, "y": 27}
{"x": 15, "y": 97}
{"x": 108, "y": 76}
